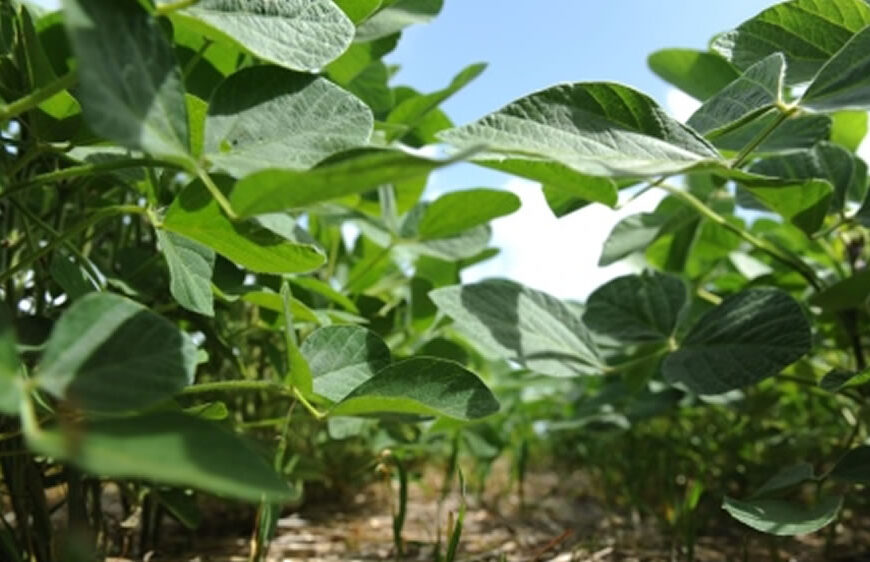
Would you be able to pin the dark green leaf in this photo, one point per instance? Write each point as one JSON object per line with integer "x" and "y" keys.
{"x": 777, "y": 517}
{"x": 637, "y": 308}
{"x": 557, "y": 178}
{"x": 844, "y": 81}
{"x": 421, "y": 385}
{"x": 851, "y": 292}
{"x": 190, "y": 269}
{"x": 836, "y": 380}
{"x": 296, "y": 34}
{"x": 520, "y": 324}
{"x": 786, "y": 478}
{"x": 807, "y": 32}
{"x": 805, "y": 205}
{"x": 10, "y": 365}
{"x": 396, "y": 16}
{"x": 290, "y": 120}
{"x": 341, "y": 358}
{"x": 750, "y": 336}
{"x": 129, "y": 83}
{"x": 697, "y": 73}
{"x": 168, "y": 448}
{"x": 854, "y": 467}
{"x": 71, "y": 277}
{"x": 802, "y": 131}
{"x": 109, "y": 353}
{"x": 196, "y": 215}
{"x": 456, "y": 212}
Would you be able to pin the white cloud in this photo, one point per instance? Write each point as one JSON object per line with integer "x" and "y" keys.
{"x": 558, "y": 256}
{"x": 680, "y": 104}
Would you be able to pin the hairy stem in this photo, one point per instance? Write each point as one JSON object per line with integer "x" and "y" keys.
{"x": 36, "y": 97}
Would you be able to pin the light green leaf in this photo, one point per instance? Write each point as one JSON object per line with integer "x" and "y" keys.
{"x": 108, "y": 353}
{"x": 558, "y": 178}
{"x": 270, "y": 300}
{"x": 190, "y": 269}
{"x": 854, "y": 467}
{"x": 341, "y": 358}
{"x": 513, "y": 322}
{"x": 421, "y": 385}
{"x": 298, "y": 373}
{"x": 786, "y": 478}
{"x": 801, "y": 131}
{"x": 632, "y": 234}
{"x": 358, "y": 10}
{"x": 744, "y": 99}
{"x": 564, "y": 200}
{"x": 196, "y": 215}
{"x": 595, "y": 128}
{"x": 851, "y": 292}
{"x": 637, "y": 308}
{"x": 805, "y": 205}
{"x": 358, "y": 57}
{"x": 836, "y": 380}
{"x": 196, "y": 113}
{"x": 844, "y": 81}
{"x": 455, "y": 212}
{"x": 699, "y": 74}
{"x": 396, "y": 16}
{"x": 777, "y": 517}
{"x": 290, "y": 120}
{"x": 168, "y": 448}
{"x": 414, "y": 109}
{"x": 355, "y": 172}
{"x": 464, "y": 245}
{"x": 752, "y": 335}
{"x": 807, "y": 32}
{"x": 297, "y": 34}
{"x": 324, "y": 289}
{"x": 10, "y": 365}
{"x": 372, "y": 87}
{"x": 130, "y": 86}
{"x": 849, "y": 128}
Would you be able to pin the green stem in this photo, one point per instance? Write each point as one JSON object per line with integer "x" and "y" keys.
{"x": 317, "y": 414}
{"x": 773, "y": 251}
{"x": 784, "y": 113}
{"x": 84, "y": 170}
{"x": 370, "y": 266}
{"x": 235, "y": 386}
{"x": 36, "y": 97}
{"x": 216, "y": 193}
{"x": 613, "y": 369}
{"x": 69, "y": 234}
{"x": 165, "y": 9}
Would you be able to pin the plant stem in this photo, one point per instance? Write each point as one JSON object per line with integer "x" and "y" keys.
{"x": 235, "y": 386}
{"x": 619, "y": 367}
{"x": 36, "y": 97}
{"x": 317, "y": 414}
{"x": 84, "y": 170}
{"x": 773, "y": 251}
{"x": 68, "y": 234}
{"x": 784, "y": 113}
{"x": 165, "y": 9}
{"x": 216, "y": 193}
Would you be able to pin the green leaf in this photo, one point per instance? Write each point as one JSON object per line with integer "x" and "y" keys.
{"x": 297, "y": 34}
{"x": 108, "y": 353}
{"x": 595, "y": 128}
{"x": 802, "y": 131}
{"x": 844, "y": 81}
{"x": 130, "y": 86}
{"x": 744, "y": 99}
{"x": 848, "y": 293}
{"x": 413, "y": 110}
{"x": 752, "y": 335}
{"x": 372, "y": 87}
{"x": 298, "y": 375}
{"x": 786, "y": 478}
{"x": 324, "y": 289}
{"x": 854, "y": 467}
{"x": 290, "y": 120}
{"x": 169, "y": 448}
{"x": 358, "y": 10}
{"x": 637, "y": 308}
{"x": 10, "y": 365}
{"x": 396, "y": 16}
{"x": 849, "y": 128}
{"x": 807, "y": 32}
{"x": 355, "y": 172}
{"x": 196, "y": 114}
{"x": 777, "y": 517}
{"x": 421, "y": 385}
{"x": 190, "y": 269}
{"x": 71, "y": 277}
{"x": 271, "y": 300}
{"x": 699, "y": 74}
{"x": 564, "y": 200}
{"x": 341, "y": 358}
{"x": 196, "y": 215}
{"x": 516, "y": 323}
{"x": 557, "y": 178}
{"x": 455, "y": 212}
{"x": 359, "y": 57}
{"x": 636, "y": 232}
{"x": 805, "y": 205}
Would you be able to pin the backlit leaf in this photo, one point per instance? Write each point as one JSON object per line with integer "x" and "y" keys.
{"x": 777, "y": 517}
{"x": 455, "y": 212}
{"x": 844, "y": 81}
{"x": 699, "y": 74}
{"x": 396, "y": 16}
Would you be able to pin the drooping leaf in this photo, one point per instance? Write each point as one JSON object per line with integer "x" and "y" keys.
{"x": 167, "y": 448}
{"x": 514, "y": 322}
{"x": 297, "y": 34}
{"x": 699, "y": 74}
{"x": 290, "y": 120}
{"x": 341, "y": 358}
{"x": 10, "y": 364}
{"x": 565, "y": 199}
{"x": 596, "y": 128}
{"x": 455, "y": 212}
{"x": 355, "y": 172}
{"x": 396, "y": 16}
{"x": 807, "y": 32}
{"x": 190, "y": 269}
{"x": 752, "y": 335}
{"x": 844, "y": 81}
{"x": 851, "y": 292}
{"x": 421, "y": 385}
{"x": 854, "y": 467}
{"x": 637, "y": 308}
{"x": 786, "y": 478}
{"x": 108, "y": 353}
{"x": 130, "y": 86}
{"x": 747, "y": 97}
{"x": 196, "y": 215}
{"x": 777, "y": 517}
{"x": 636, "y": 232}
{"x": 558, "y": 178}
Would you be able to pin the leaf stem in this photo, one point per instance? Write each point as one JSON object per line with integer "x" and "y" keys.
{"x": 784, "y": 113}
{"x": 619, "y": 367}
{"x": 166, "y": 9}
{"x": 36, "y": 97}
{"x": 235, "y": 386}
{"x": 317, "y": 414}
{"x": 779, "y": 254}
{"x": 216, "y": 193}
